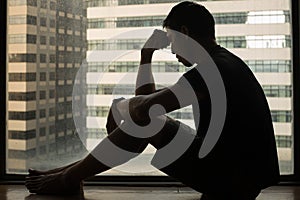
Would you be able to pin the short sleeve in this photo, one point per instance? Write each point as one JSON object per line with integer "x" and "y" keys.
{"x": 194, "y": 79}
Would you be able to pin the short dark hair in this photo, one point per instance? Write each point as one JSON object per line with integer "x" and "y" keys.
{"x": 194, "y": 16}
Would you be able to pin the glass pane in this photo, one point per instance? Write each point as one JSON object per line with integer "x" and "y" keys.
{"x": 47, "y": 47}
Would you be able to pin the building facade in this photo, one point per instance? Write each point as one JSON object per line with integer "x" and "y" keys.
{"x": 257, "y": 31}
{"x": 46, "y": 45}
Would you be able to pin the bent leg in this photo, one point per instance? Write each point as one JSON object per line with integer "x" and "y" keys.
{"x": 203, "y": 175}
{"x": 68, "y": 180}
{"x": 116, "y": 149}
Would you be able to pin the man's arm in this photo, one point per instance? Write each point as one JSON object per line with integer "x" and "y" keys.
{"x": 145, "y": 82}
{"x": 137, "y": 108}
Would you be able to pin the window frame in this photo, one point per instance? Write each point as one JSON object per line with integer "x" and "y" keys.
{"x": 152, "y": 180}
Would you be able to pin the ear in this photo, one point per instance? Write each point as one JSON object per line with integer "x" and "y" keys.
{"x": 185, "y": 31}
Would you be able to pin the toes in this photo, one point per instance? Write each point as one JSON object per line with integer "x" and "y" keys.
{"x": 33, "y": 172}
{"x": 33, "y": 182}
{"x": 28, "y": 178}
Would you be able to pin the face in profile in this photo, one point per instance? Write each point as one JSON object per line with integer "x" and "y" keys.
{"x": 177, "y": 46}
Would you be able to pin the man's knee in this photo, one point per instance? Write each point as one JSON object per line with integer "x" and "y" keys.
{"x": 166, "y": 134}
{"x": 127, "y": 142}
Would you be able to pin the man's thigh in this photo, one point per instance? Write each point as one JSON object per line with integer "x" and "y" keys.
{"x": 206, "y": 175}
{"x": 178, "y": 159}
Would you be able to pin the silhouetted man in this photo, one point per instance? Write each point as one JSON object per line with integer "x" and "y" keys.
{"x": 244, "y": 159}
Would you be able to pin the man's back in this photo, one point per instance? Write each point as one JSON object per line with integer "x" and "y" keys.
{"x": 246, "y": 150}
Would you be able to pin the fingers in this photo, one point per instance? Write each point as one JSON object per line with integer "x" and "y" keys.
{"x": 158, "y": 40}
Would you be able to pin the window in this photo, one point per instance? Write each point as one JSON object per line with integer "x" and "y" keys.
{"x": 22, "y": 96}
{"x": 30, "y": 115}
{"x": 22, "y": 77}
{"x": 43, "y": 21}
{"x": 44, "y": 4}
{"x": 52, "y": 41}
{"x": 43, "y": 131}
{"x": 43, "y": 39}
{"x": 23, "y": 135}
{"x": 47, "y": 45}
{"x": 42, "y": 94}
{"x": 22, "y": 19}
{"x": 51, "y": 94}
{"x": 276, "y": 66}
{"x": 22, "y": 39}
{"x": 265, "y": 41}
{"x": 42, "y": 114}
{"x": 281, "y": 116}
{"x": 284, "y": 141}
{"x": 42, "y": 58}
{"x": 33, "y": 98}
{"x": 278, "y": 90}
{"x": 52, "y": 59}
{"x": 22, "y": 2}
{"x": 52, "y": 23}
{"x": 116, "y": 44}
{"x": 43, "y": 76}
{"x": 52, "y": 5}
{"x": 30, "y": 58}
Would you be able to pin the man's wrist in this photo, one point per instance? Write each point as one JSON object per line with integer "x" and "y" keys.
{"x": 147, "y": 52}
{"x": 146, "y": 56}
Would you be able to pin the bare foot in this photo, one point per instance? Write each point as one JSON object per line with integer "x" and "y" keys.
{"x": 55, "y": 183}
{"x": 33, "y": 172}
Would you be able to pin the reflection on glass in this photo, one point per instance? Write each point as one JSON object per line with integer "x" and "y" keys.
{"x": 48, "y": 41}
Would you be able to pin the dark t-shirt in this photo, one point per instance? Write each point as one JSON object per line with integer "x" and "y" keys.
{"x": 246, "y": 149}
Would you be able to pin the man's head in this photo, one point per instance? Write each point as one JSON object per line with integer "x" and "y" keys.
{"x": 192, "y": 16}
{"x": 193, "y": 20}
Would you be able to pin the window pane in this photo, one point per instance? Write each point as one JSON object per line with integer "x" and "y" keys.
{"x": 40, "y": 128}
{"x": 47, "y": 46}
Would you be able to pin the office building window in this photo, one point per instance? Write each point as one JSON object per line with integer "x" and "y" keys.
{"x": 48, "y": 43}
{"x": 22, "y": 39}
{"x": 42, "y": 113}
{"x": 284, "y": 141}
{"x": 30, "y": 115}
{"x": 43, "y": 39}
{"x": 43, "y": 21}
{"x": 278, "y": 90}
{"x": 22, "y": 135}
{"x": 43, "y": 58}
{"x": 44, "y": 4}
{"x": 22, "y": 96}
{"x": 42, "y": 131}
{"x": 42, "y": 94}
{"x": 22, "y": 77}
{"x": 22, "y": 3}
{"x": 281, "y": 116}
{"x": 52, "y": 5}
{"x": 30, "y": 58}
{"x": 264, "y": 41}
{"x": 275, "y": 66}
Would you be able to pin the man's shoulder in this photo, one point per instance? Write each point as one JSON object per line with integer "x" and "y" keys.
{"x": 222, "y": 55}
